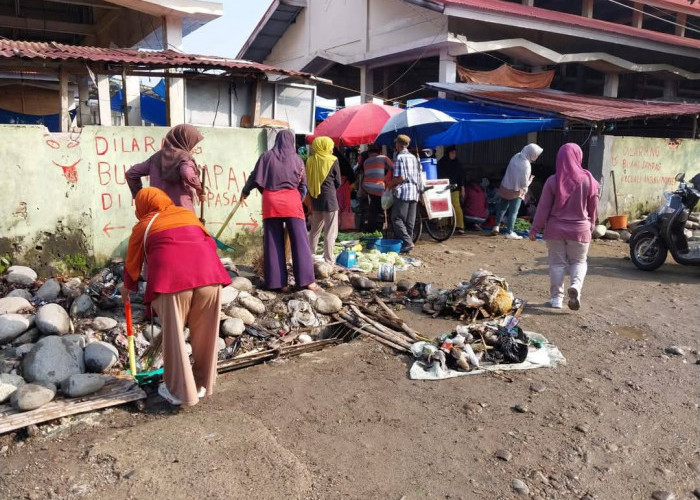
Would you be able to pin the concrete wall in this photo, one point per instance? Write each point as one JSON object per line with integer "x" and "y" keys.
{"x": 351, "y": 29}
{"x": 66, "y": 193}
{"x": 644, "y": 168}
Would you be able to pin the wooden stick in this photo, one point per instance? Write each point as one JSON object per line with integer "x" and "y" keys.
{"x": 374, "y": 333}
{"x": 388, "y": 334}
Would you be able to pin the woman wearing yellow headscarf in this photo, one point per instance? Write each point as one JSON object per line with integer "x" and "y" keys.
{"x": 323, "y": 179}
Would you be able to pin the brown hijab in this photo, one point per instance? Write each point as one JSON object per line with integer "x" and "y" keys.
{"x": 178, "y": 143}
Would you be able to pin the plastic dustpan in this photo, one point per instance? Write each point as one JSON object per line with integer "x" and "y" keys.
{"x": 147, "y": 378}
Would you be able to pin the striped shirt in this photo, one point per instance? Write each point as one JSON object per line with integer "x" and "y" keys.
{"x": 407, "y": 166}
{"x": 376, "y": 169}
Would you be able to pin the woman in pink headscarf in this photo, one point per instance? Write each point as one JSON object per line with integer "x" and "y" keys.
{"x": 567, "y": 213}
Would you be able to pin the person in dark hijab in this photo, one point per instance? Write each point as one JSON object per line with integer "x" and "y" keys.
{"x": 172, "y": 169}
{"x": 449, "y": 168}
{"x": 280, "y": 176}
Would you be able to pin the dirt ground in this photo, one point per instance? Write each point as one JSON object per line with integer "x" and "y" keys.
{"x": 619, "y": 421}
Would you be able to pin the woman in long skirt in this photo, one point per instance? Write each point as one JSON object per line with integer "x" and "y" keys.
{"x": 280, "y": 176}
{"x": 184, "y": 287}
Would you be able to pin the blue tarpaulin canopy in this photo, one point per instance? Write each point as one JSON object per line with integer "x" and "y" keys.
{"x": 152, "y": 108}
{"x": 480, "y": 122}
{"x": 322, "y": 113}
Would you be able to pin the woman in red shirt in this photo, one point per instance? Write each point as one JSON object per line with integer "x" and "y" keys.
{"x": 183, "y": 286}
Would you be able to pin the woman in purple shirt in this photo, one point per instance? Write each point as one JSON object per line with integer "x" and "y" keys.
{"x": 172, "y": 169}
{"x": 567, "y": 213}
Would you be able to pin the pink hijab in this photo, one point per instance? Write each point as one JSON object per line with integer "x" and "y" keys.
{"x": 570, "y": 174}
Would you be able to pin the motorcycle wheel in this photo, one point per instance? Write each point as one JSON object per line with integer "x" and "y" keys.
{"x": 443, "y": 228}
{"x": 648, "y": 252}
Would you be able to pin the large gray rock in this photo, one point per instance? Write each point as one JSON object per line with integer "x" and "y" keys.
{"x": 6, "y": 391}
{"x": 28, "y": 337}
{"x": 232, "y": 327}
{"x": 77, "y": 339}
{"x": 53, "y": 359}
{"x": 266, "y": 296}
{"x": 14, "y": 325}
{"x": 611, "y": 235}
{"x": 100, "y": 356}
{"x": 82, "y": 384}
{"x": 72, "y": 289}
{"x": 242, "y": 284}
{"x": 243, "y": 314}
{"x": 82, "y": 306}
{"x": 20, "y": 292}
{"x": 32, "y": 396}
{"x": 327, "y": 303}
{"x": 342, "y": 291}
{"x": 8, "y": 378}
{"x": 15, "y": 305}
{"x": 50, "y": 290}
{"x": 362, "y": 283}
{"x": 228, "y": 295}
{"x": 21, "y": 276}
{"x": 306, "y": 295}
{"x": 625, "y": 235}
{"x": 53, "y": 319}
{"x": 102, "y": 323}
{"x": 251, "y": 303}
{"x": 323, "y": 270}
{"x": 599, "y": 231}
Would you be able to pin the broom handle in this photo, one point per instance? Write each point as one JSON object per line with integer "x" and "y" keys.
{"x": 612, "y": 174}
{"x": 201, "y": 203}
{"x": 228, "y": 218}
{"x": 130, "y": 335}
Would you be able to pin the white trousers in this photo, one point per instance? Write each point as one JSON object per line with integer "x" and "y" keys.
{"x": 566, "y": 255}
{"x": 327, "y": 222}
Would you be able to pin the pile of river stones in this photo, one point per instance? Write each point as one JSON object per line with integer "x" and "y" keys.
{"x": 68, "y": 335}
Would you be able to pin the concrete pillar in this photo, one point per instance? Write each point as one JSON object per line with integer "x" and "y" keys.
{"x": 447, "y": 70}
{"x": 680, "y": 23}
{"x": 85, "y": 115}
{"x": 366, "y": 84}
{"x": 670, "y": 89}
{"x": 529, "y": 3}
{"x": 611, "y": 85}
{"x": 132, "y": 100}
{"x": 587, "y": 8}
{"x": 174, "y": 87}
{"x": 64, "y": 117}
{"x": 638, "y": 15}
{"x": 103, "y": 100}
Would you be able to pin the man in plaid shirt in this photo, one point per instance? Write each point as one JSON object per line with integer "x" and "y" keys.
{"x": 406, "y": 185}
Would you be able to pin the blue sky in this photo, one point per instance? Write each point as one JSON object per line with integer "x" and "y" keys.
{"x": 225, "y": 36}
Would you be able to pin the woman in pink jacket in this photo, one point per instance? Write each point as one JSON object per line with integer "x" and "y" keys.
{"x": 567, "y": 213}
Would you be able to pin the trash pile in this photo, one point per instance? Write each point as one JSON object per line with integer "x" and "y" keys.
{"x": 68, "y": 335}
{"x": 484, "y": 296}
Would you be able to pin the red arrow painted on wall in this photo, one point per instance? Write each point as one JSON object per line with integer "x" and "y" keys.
{"x": 109, "y": 228}
{"x": 253, "y": 224}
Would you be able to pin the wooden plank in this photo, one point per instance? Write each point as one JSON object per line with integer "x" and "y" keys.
{"x": 116, "y": 392}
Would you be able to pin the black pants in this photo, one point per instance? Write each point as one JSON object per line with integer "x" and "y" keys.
{"x": 375, "y": 217}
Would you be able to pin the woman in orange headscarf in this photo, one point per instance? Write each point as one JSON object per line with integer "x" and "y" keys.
{"x": 183, "y": 286}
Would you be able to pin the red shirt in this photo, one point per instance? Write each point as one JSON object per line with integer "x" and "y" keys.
{"x": 180, "y": 259}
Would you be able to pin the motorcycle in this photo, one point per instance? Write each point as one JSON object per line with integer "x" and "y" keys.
{"x": 664, "y": 230}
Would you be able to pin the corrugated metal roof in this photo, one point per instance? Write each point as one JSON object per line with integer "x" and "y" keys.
{"x": 517, "y": 9}
{"x": 572, "y": 106}
{"x": 12, "y": 49}
{"x": 268, "y": 31}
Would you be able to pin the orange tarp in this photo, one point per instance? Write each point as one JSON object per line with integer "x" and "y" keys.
{"x": 507, "y": 77}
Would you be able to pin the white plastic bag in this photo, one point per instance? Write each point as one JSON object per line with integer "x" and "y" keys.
{"x": 387, "y": 199}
